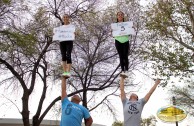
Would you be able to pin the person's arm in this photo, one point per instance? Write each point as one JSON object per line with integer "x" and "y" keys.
{"x": 63, "y": 88}
{"x": 123, "y": 95}
{"x": 88, "y": 121}
{"x": 147, "y": 97}
{"x": 87, "y": 117}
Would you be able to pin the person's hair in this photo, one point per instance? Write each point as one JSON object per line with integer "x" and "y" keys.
{"x": 123, "y": 16}
{"x": 136, "y": 95}
{"x": 73, "y": 98}
{"x": 66, "y": 15}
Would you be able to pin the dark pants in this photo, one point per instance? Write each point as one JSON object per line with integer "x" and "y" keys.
{"x": 123, "y": 49}
{"x": 66, "y": 49}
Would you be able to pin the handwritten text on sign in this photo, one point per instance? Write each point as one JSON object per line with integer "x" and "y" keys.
{"x": 122, "y": 28}
{"x": 64, "y": 33}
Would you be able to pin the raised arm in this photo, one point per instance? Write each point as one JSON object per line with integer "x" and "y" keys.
{"x": 147, "y": 97}
{"x": 63, "y": 88}
{"x": 123, "y": 96}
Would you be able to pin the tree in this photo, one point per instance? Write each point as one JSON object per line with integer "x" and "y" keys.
{"x": 170, "y": 28}
{"x": 27, "y": 59}
{"x": 25, "y": 50}
{"x": 184, "y": 97}
{"x": 117, "y": 124}
{"x": 150, "y": 121}
{"x": 75, "y": 9}
{"x": 24, "y": 55}
{"x": 171, "y": 36}
{"x": 9, "y": 9}
{"x": 95, "y": 61}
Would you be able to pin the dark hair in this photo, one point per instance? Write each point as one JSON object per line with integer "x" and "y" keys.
{"x": 123, "y": 15}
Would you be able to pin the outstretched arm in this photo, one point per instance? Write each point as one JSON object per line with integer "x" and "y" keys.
{"x": 63, "y": 88}
{"x": 123, "y": 96}
{"x": 147, "y": 97}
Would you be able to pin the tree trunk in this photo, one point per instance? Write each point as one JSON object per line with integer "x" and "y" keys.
{"x": 35, "y": 121}
{"x": 25, "y": 110}
{"x": 85, "y": 99}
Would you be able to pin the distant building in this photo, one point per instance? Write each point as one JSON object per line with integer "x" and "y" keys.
{"x": 19, "y": 122}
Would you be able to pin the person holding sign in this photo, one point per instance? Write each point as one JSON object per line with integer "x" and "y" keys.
{"x": 120, "y": 32}
{"x": 132, "y": 107}
{"x": 72, "y": 111}
{"x": 66, "y": 46}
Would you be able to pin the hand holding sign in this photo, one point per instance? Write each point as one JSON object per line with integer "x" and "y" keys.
{"x": 123, "y": 28}
{"x": 64, "y": 33}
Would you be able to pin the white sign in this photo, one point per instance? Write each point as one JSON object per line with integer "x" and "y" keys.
{"x": 122, "y": 28}
{"x": 64, "y": 33}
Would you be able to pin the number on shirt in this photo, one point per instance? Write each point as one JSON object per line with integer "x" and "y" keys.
{"x": 68, "y": 109}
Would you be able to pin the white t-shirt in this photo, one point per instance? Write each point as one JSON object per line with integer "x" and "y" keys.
{"x": 132, "y": 111}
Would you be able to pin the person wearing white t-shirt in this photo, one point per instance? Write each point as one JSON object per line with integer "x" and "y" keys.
{"x": 133, "y": 106}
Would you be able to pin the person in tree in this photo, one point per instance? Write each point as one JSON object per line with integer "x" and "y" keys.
{"x": 72, "y": 112}
{"x": 66, "y": 49}
{"x": 132, "y": 107}
{"x": 122, "y": 46}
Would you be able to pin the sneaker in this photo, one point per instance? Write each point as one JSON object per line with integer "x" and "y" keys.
{"x": 123, "y": 74}
{"x": 66, "y": 74}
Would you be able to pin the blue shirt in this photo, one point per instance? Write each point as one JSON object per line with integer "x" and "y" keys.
{"x": 72, "y": 113}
